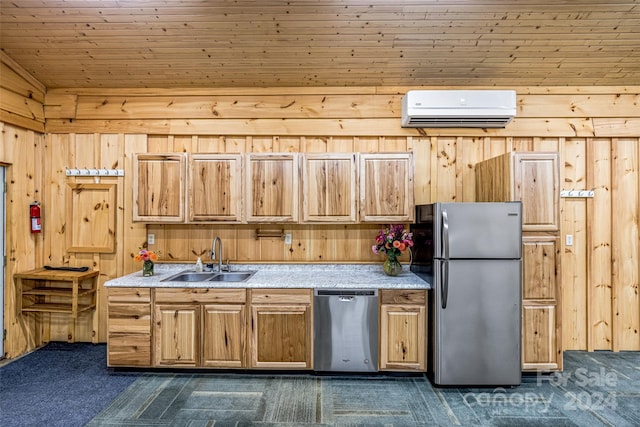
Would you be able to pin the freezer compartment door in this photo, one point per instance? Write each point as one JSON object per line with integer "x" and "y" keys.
{"x": 478, "y": 230}
{"x": 477, "y": 336}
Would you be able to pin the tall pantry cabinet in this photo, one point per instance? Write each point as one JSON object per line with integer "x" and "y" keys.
{"x": 533, "y": 178}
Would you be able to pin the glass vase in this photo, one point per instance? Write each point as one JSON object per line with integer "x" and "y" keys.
{"x": 147, "y": 268}
{"x": 392, "y": 266}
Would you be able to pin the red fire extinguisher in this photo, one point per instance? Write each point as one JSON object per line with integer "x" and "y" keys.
{"x": 36, "y": 224}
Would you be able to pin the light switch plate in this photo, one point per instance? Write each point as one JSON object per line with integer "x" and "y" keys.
{"x": 151, "y": 239}
{"x": 568, "y": 240}
{"x": 287, "y": 239}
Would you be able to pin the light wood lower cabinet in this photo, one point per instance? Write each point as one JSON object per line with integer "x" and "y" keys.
{"x": 176, "y": 335}
{"x": 129, "y": 327}
{"x": 541, "y": 332}
{"x": 403, "y": 329}
{"x": 255, "y": 328}
{"x": 199, "y": 327}
{"x": 539, "y": 348}
{"x": 281, "y": 328}
{"x": 223, "y": 335}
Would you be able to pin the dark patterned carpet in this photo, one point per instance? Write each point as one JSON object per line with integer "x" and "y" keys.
{"x": 596, "y": 389}
{"x": 60, "y": 384}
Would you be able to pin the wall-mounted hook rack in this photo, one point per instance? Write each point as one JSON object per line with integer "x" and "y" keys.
{"x": 577, "y": 193}
{"x": 95, "y": 172}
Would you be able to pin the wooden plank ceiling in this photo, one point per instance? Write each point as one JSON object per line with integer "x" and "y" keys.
{"x": 270, "y": 43}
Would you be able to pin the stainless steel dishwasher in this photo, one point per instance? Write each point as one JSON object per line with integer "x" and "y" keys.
{"x": 346, "y": 330}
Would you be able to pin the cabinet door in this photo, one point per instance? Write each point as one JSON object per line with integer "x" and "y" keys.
{"x": 223, "y": 335}
{"x": 386, "y": 187}
{"x": 329, "y": 187}
{"x": 176, "y": 335}
{"x": 272, "y": 187}
{"x": 403, "y": 330}
{"x": 158, "y": 187}
{"x": 536, "y": 184}
{"x": 215, "y": 187}
{"x": 129, "y": 327}
{"x": 281, "y": 336}
{"x": 540, "y": 259}
{"x": 539, "y": 337}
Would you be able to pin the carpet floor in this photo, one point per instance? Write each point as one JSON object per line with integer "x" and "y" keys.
{"x": 595, "y": 389}
{"x": 59, "y": 384}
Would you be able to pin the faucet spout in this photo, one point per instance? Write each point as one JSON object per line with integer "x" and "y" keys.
{"x": 218, "y": 254}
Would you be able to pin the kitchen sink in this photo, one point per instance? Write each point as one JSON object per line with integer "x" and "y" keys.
{"x": 236, "y": 276}
{"x": 190, "y": 276}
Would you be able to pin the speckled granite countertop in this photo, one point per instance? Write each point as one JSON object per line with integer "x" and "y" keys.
{"x": 283, "y": 276}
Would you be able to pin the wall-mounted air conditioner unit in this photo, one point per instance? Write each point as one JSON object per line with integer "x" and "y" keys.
{"x": 458, "y": 108}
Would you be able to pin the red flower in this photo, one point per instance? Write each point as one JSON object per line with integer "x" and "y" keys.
{"x": 392, "y": 240}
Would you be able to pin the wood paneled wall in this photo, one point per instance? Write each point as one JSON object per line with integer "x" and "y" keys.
{"x": 595, "y": 130}
{"x": 21, "y": 96}
{"x": 21, "y": 153}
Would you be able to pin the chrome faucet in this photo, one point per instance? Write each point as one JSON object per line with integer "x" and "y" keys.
{"x": 213, "y": 252}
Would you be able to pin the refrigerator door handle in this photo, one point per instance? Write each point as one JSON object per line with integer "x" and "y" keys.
{"x": 444, "y": 283}
{"x": 445, "y": 234}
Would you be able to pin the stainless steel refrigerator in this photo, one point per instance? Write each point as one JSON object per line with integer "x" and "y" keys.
{"x": 470, "y": 253}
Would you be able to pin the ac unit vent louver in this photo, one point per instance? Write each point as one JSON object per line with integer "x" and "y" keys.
{"x": 458, "y": 108}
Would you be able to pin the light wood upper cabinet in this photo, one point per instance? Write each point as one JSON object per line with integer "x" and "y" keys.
{"x": 386, "y": 187}
{"x": 272, "y": 184}
{"x": 537, "y": 180}
{"x": 530, "y": 177}
{"x": 274, "y": 187}
{"x": 214, "y": 190}
{"x": 329, "y": 187}
{"x": 158, "y": 191}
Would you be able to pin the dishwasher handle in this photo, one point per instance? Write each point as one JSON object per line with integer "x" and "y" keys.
{"x": 344, "y": 298}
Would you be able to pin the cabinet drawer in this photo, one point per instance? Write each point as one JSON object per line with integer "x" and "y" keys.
{"x": 279, "y": 296}
{"x": 403, "y": 296}
{"x": 129, "y": 318}
{"x": 129, "y": 295}
{"x": 200, "y": 295}
{"x": 129, "y": 350}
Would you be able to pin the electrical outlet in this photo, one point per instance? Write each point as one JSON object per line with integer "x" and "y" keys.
{"x": 287, "y": 239}
{"x": 151, "y": 239}
{"x": 568, "y": 240}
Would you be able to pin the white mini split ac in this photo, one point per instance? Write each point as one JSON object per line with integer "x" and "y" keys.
{"x": 458, "y": 108}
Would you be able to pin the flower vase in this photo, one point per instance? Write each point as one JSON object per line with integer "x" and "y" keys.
{"x": 392, "y": 266}
{"x": 147, "y": 268}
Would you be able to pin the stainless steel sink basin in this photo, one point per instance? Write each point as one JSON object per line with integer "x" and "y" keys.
{"x": 234, "y": 276}
{"x": 189, "y": 276}
{"x": 225, "y": 276}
